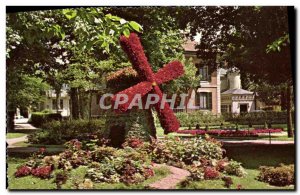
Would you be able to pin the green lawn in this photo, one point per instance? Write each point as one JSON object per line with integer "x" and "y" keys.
{"x": 26, "y": 144}
{"x": 247, "y": 182}
{"x": 75, "y": 176}
{"x": 14, "y": 135}
{"x": 253, "y": 156}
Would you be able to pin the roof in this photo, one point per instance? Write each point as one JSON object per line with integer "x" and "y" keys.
{"x": 189, "y": 45}
{"x": 238, "y": 92}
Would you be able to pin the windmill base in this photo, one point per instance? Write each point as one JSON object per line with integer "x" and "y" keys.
{"x": 134, "y": 123}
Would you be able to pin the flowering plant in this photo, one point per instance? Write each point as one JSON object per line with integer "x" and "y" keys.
{"x": 43, "y": 172}
{"x": 23, "y": 171}
{"x": 211, "y": 173}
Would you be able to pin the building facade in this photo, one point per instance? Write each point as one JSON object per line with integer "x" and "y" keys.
{"x": 220, "y": 90}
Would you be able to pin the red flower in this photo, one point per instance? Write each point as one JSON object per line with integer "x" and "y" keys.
{"x": 211, "y": 173}
{"x": 23, "y": 171}
{"x": 133, "y": 47}
{"x": 239, "y": 187}
{"x": 42, "y": 172}
{"x": 148, "y": 172}
{"x": 42, "y": 150}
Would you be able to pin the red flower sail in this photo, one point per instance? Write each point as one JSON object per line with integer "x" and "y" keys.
{"x": 133, "y": 47}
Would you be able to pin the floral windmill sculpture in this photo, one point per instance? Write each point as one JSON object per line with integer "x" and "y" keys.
{"x": 149, "y": 81}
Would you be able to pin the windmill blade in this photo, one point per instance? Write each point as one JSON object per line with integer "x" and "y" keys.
{"x": 134, "y": 49}
{"x": 141, "y": 88}
{"x": 166, "y": 116}
{"x": 169, "y": 72}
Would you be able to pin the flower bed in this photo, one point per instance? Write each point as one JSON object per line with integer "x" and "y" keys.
{"x": 230, "y": 133}
{"x": 268, "y": 130}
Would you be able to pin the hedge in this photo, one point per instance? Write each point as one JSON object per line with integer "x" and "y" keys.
{"x": 37, "y": 119}
{"x": 201, "y": 118}
{"x": 58, "y": 132}
{"x": 256, "y": 118}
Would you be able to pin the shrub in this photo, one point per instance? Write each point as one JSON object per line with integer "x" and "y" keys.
{"x": 279, "y": 176}
{"x": 198, "y": 117}
{"x": 256, "y": 118}
{"x": 37, "y": 119}
{"x": 234, "y": 168}
{"x": 58, "y": 132}
{"x": 221, "y": 133}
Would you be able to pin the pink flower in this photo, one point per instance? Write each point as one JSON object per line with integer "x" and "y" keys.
{"x": 42, "y": 150}
{"x": 23, "y": 171}
{"x": 239, "y": 187}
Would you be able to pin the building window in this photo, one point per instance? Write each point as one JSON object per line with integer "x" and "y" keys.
{"x": 203, "y": 72}
{"x": 204, "y": 100}
{"x": 61, "y": 104}
{"x": 225, "y": 108}
{"x": 54, "y": 104}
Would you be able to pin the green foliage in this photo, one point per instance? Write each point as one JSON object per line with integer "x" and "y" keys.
{"x": 24, "y": 90}
{"x": 124, "y": 165}
{"x": 234, "y": 168}
{"x": 256, "y": 118}
{"x": 190, "y": 80}
{"x": 282, "y": 175}
{"x": 278, "y": 44}
{"x": 59, "y": 132}
{"x": 198, "y": 117}
{"x": 38, "y": 119}
{"x": 181, "y": 152}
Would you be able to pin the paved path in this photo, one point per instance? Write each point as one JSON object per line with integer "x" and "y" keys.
{"x": 13, "y": 141}
{"x": 20, "y": 127}
{"x": 177, "y": 175}
{"x": 24, "y": 126}
{"x": 249, "y": 142}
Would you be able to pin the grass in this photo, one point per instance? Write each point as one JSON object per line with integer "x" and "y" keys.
{"x": 75, "y": 176}
{"x": 28, "y": 182}
{"x": 26, "y": 144}
{"x": 253, "y": 156}
{"x": 247, "y": 182}
{"x": 14, "y": 135}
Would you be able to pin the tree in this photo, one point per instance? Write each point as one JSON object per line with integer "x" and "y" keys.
{"x": 23, "y": 91}
{"x": 244, "y": 36}
{"x": 36, "y": 40}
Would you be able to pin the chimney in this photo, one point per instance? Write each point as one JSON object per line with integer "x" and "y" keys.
{"x": 234, "y": 80}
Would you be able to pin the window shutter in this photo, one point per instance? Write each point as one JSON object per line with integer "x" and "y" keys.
{"x": 209, "y": 99}
{"x": 197, "y": 99}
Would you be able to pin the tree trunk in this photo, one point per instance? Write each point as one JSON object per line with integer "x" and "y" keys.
{"x": 289, "y": 111}
{"x": 10, "y": 120}
{"x": 283, "y": 99}
{"x": 74, "y": 103}
{"x": 57, "y": 94}
{"x": 90, "y": 104}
